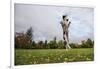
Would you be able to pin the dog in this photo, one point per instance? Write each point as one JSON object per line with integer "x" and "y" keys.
{"x": 65, "y": 26}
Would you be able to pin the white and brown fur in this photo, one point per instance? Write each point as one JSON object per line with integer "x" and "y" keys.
{"x": 65, "y": 26}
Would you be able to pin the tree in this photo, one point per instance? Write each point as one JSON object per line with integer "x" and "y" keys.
{"x": 33, "y": 45}
{"x": 53, "y": 44}
{"x": 46, "y": 44}
{"x": 61, "y": 44}
{"x": 24, "y": 40}
{"x": 89, "y": 43}
{"x": 40, "y": 45}
{"x": 73, "y": 45}
{"x": 29, "y": 33}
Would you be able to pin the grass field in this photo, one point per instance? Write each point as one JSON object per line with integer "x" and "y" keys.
{"x": 43, "y": 56}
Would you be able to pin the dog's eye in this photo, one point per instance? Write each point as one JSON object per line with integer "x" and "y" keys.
{"x": 66, "y": 19}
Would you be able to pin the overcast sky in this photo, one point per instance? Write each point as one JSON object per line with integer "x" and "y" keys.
{"x": 45, "y": 21}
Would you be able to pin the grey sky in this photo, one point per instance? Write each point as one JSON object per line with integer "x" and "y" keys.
{"x": 45, "y": 21}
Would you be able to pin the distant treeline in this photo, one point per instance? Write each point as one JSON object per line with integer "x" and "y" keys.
{"x": 25, "y": 41}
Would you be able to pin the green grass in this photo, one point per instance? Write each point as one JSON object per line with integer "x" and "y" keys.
{"x": 43, "y": 56}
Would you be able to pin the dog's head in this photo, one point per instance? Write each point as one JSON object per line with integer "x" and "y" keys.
{"x": 65, "y": 18}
